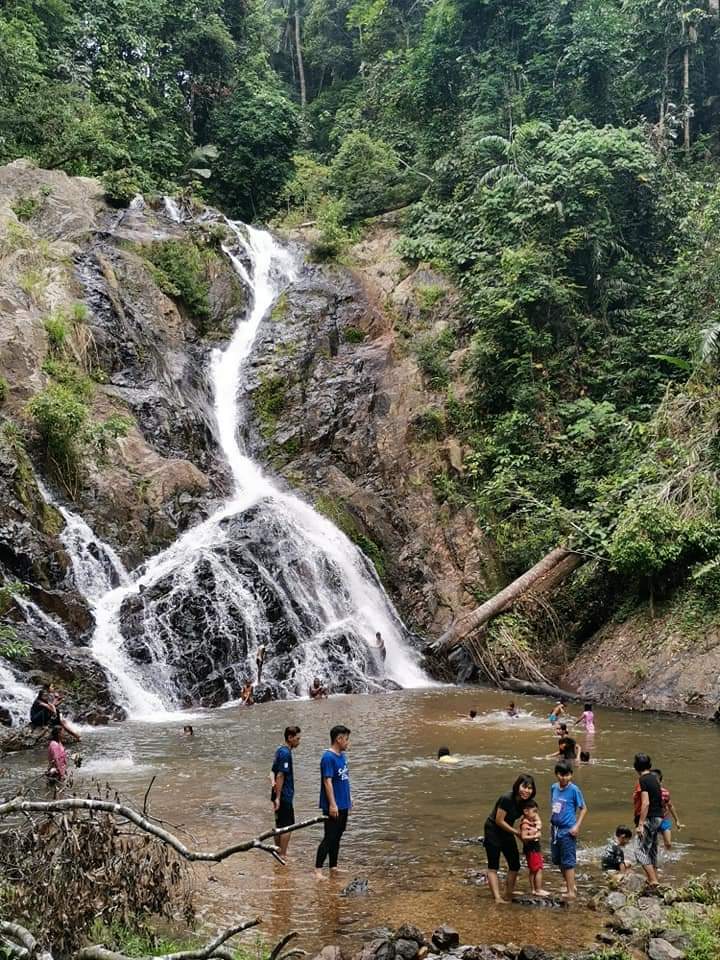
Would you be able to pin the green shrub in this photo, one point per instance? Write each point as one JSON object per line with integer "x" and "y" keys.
{"x": 56, "y": 327}
{"x": 364, "y": 173}
{"x": 353, "y": 335}
{"x": 122, "y": 185}
{"x": 180, "y": 269}
{"x": 269, "y": 401}
{"x": 430, "y": 424}
{"x": 432, "y": 353}
{"x": 428, "y": 295}
{"x": 309, "y": 183}
{"x": 11, "y": 647}
{"x": 333, "y": 235}
{"x": 33, "y": 283}
{"x": 280, "y": 308}
{"x": 4, "y": 389}
{"x": 79, "y": 312}
{"x": 25, "y": 208}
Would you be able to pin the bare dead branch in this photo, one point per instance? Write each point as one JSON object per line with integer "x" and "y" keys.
{"x": 147, "y": 795}
{"x": 211, "y": 949}
{"x": 19, "y": 805}
{"x": 281, "y": 944}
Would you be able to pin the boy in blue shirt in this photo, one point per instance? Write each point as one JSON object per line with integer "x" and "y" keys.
{"x": 568, "y": 812}
{"x": 335, "y": 799}
{"x": 283, "y": 790}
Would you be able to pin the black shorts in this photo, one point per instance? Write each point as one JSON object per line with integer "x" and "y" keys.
{"x": 285, "y": 814}
{"x": 507, "y": 845}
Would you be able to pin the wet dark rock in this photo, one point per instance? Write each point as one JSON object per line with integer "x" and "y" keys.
{"x": 379, "y": 949}
{"x": 408, "y": 931}
{"x": 533, "y": 953}
{"x": 406, "y": 949}
{"x": 526, "y": 900}
{"x": 16, "y": 739}
{"x": 357, "y": 887}
{"x": 445, "y": 938}
{"x": 6, "y": 719}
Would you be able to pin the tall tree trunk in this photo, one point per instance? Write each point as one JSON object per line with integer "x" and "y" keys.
{"x": 298, "y": 49}
{"x": 686, "y": 90}
{"x": 545, "y": 575}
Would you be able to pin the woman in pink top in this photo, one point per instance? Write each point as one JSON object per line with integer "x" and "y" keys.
{"x": 57, "y": 755}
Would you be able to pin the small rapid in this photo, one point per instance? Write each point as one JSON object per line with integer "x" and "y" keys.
{"x": 264, "y": 570}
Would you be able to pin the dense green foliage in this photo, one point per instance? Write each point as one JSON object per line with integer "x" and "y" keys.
{"x": 130, "y": 89}
{"x": 558, "y": 160}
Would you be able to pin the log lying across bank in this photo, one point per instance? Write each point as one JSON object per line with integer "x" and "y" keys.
{"x": 547, "y": 574}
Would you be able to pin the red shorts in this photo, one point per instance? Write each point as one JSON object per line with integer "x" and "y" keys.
{"x": 535, "y": 860}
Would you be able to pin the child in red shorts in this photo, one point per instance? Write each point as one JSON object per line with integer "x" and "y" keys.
{"x": 530, "y": 832}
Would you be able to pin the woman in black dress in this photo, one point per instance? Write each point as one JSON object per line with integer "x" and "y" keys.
{"x": 500, "y": 835}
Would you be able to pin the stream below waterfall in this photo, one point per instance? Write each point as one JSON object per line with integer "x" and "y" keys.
{"x": 412, "y": 817}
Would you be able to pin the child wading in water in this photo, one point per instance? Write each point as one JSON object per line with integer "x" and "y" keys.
{"x": 668, "y": 810}
{"x": 613, "y": 857}
{"x": 587, "y": 718}
{"x": 530, "y": 832}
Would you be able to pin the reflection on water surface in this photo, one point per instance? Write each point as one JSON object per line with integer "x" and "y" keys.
{"x": 411, "y": 815}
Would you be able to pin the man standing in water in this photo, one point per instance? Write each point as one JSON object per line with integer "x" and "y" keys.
{"x": 283, "y": 791}
{"x": 335, "y": 799}
{"x": 650, "y": 817}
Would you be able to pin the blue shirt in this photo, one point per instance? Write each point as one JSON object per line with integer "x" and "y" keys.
{"x": 335, "y": 766}
{"x": 283, "y": 764}
{"x": 564, "y": 805}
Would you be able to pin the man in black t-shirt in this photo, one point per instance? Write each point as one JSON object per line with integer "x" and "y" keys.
{"x": 650, "y": 817}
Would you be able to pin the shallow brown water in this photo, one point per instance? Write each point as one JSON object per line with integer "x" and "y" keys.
{"x": 411, "y": 816}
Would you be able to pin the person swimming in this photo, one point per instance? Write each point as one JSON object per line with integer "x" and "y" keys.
{"x": 512, "y": 710}
{"x": 444, "y": 756}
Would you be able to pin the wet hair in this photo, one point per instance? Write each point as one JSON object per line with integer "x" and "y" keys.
{"x": 642, "y": 762}
{"x": 623, "y": 832}
{"x": 524, "y": 780}
{"x": 530, "y": 804}
{"x": 512, "y": 703}
{"x": 188, "y": 729}
{"x": 588, "y": 706}
{"x": 378, "y": 634}
{"x": 473, "y": 714}
{"x": 291, "y": 732}
{"x": 563, "y": 768}
{"x": 584, "y": 756}
{"x": 339, "y": 731}
{"x": 443, "y": 752}
{"x": 563, "y": 727}
{"x": 55, "y": 733}
{"x": 658, "y": 773}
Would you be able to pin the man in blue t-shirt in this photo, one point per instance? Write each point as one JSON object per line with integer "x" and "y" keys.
{"x": 335, "y": 799}
{"x": 283, "y": 789}
{"x": 568, "y": 811}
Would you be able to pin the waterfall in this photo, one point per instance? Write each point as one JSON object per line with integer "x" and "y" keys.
{"x": 263, "y": 569}
{"x": 15, "y": 696}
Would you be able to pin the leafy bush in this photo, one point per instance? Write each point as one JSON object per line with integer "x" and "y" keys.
{"x": 25, "y": 208}
{"x": 4, "y": 389}
{"x": 11, "y": 647}
{"x": 333, "y": 235}
{"x": 56, "y": 327}
{"x": 122, "y": 185}
{"x": 363, "y": 173}
{"x": 430, "y": 424}
{"x": 269, "y": 401}
{"x": 180, "y": 271}
{"x": 432, "y": 353}
{"x": 353, "y": 335}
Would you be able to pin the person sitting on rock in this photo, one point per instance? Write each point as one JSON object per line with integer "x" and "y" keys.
{"x": 317, "y": 690}
{"x": 45, "y": 710}
{"x": 246, "y": 695}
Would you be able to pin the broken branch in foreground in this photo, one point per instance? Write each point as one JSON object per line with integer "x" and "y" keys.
{"x": 18, "y": 805}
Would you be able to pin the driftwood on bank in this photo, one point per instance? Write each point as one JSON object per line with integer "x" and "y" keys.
{"x": 18, "y": 805}
{"x": 539, "y": 689}
{"x": 547, "y": 574}
{"x": 19, "y": 942}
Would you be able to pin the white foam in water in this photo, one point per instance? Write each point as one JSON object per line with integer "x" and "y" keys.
{"x": 326, "y": 589}
{"x": 14, "y": 695}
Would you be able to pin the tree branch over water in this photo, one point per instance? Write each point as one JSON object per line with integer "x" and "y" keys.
{"x": 19, "y": 805}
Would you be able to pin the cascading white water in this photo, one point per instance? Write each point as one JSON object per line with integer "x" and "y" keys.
{"x": 15, "y": 696}
{"x": 264, "y": 569}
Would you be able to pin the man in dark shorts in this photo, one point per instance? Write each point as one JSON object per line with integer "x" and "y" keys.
{"x": 335, "y": 799}
{"x": 283, "y": 791}
{"x": 650, "y": 817}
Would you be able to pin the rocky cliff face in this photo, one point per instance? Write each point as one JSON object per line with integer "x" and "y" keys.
{"x": 82, "y": 303}
{"x": 343, "y": 411}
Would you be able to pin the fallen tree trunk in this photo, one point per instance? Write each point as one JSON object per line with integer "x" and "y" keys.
{"x": 543, "y": 577}
{"x": 539, "y": 689}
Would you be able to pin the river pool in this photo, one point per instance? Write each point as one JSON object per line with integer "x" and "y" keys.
{"x": 413, "y": 818}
